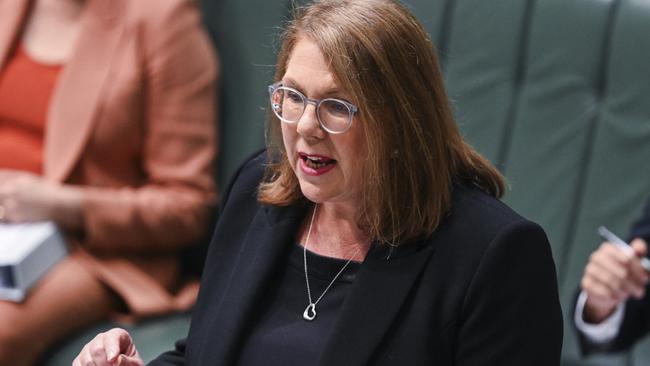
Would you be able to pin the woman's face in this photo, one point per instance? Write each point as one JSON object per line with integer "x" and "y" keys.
{"x": 328, "y": 166}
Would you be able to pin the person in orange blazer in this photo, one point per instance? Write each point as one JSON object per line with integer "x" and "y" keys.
{"x": 107, "y": 111}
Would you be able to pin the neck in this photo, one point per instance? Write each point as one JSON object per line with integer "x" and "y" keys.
{"x": 63, "y": 10}
{"x": 52, "y": 29}
{"x": 335, "y": 233}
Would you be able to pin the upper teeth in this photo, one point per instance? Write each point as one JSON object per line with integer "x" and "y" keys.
{"x": 316, "y": 159}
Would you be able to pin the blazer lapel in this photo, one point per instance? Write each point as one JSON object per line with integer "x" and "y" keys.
{"x": 266, "y": 245}
{"x": 78, "y": 93}
{"x": 13, "y": 13}
{"x": 378, "y": 293}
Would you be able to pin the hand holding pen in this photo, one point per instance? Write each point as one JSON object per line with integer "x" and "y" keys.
{"x": 615, "y": 272}
{"x": 622, "y": 245}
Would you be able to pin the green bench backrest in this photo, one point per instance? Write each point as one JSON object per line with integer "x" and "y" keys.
{"x": 245, "y": 34}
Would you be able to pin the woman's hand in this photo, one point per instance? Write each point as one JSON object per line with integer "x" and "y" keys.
{"x": 26, "y": 197}
{"x": 112, "y": 348}
{"x": 611, "y": 277}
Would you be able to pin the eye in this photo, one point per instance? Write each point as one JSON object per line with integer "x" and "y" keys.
{"x": 337, "y": 108}
{"x": 294, "y": 96}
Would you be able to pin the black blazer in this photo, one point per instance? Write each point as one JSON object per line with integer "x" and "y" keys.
{"x": 481, "y": 290}
{"x": 636, "y": 320}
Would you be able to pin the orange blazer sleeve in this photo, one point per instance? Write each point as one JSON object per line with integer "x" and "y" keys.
{"x": 172, "y": 206}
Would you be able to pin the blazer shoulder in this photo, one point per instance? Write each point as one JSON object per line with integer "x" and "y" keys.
{"x": 477, "y": 220}
{"x": 481, "y": 210}
{"x": 247, "y": 177}
{"x": 252, "y": 170}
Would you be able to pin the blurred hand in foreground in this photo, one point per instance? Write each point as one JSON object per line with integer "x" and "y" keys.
{"x": 112, "y": 348}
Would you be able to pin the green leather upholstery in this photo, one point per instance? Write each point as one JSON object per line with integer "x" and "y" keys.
{"x": 434, "y": 23}
{"x": 555, "y": 92}
{"x": 558, "y": 101}
{"x": 245, "y": 34}
{"x": 481, "y": 67}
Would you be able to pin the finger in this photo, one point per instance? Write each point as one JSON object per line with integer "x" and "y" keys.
{"x": 78, "y": 360}
{"x": 607, "y": 282}
{"x": 629, "y": 274}
{"x": 628, "y": 259}
{"x": 10, "y": 174}
{"x": 8, "y": 186}
{"x": 620, "y": 263}
{"x": 124, "y": 341}
{"x": 638, "y": 274}
{"x": 97, "y": 350}
{"x": 597, "y": 296}
{"x": 633, "y": 289}
{"x": 3, "y": 211}
{"x": 601, "y": 291}
{"x": 640, "y": 247}
{"x": 611, "y": 252}
{"x": 86, "y": 359}
{"x": 595, "y": 289}
{"x": 629, "y": 267}
{"x": 9, "y": 208}
{"x": 615, "y": 276}
{"x": 124, "y": 360}
{"x": 114, "y": 343}
{"x": 606, "y": 267}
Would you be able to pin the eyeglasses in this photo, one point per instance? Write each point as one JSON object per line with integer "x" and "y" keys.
{"x": 288, "y": 104}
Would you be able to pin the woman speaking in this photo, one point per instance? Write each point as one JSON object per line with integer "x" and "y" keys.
{"x": 369, "y": 232}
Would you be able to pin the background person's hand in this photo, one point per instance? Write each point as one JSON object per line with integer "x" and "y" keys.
{"x": 611, "y": 277}
{"x": 26, "y": 197}
{"x": 112, "y": 348}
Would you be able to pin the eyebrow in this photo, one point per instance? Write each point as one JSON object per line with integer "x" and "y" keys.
{"x": 332, "y": 91}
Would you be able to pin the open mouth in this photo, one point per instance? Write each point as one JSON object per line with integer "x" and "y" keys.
{"x": 317, "y": 163}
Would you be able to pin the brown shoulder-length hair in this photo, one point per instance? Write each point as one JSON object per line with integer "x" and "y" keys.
{"x": 383, "y": 58}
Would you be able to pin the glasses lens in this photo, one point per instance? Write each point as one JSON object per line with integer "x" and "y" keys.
{"x": 287, "y": 104}
{"x": 335, "y": 115}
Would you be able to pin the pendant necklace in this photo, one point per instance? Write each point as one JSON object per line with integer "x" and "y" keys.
{"x": 310, "y": 311}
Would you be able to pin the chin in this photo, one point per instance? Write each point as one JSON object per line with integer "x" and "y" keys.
{"x": 312, "y": 193}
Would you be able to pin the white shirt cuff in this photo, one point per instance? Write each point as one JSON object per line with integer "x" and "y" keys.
{"x": 603, "y": 332}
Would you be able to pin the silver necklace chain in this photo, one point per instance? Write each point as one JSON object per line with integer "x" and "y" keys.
{"x": 310, "y": 311}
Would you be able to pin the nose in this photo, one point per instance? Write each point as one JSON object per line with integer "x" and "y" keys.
{"x": 308, "y": 125}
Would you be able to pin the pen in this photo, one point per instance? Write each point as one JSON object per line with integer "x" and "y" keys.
{"x": 612, "y": 238}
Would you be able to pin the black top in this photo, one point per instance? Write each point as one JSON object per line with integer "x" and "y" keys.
{"x": 281, "y": 336}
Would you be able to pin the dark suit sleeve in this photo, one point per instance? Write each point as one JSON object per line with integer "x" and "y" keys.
{"x": 511, "y": 314}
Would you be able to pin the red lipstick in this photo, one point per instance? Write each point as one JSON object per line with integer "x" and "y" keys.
{"x": 315, "y": 165}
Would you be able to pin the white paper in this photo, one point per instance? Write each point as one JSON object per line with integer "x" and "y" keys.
{"x": 27, "y": 252}
{"x": 18, "y": 240}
